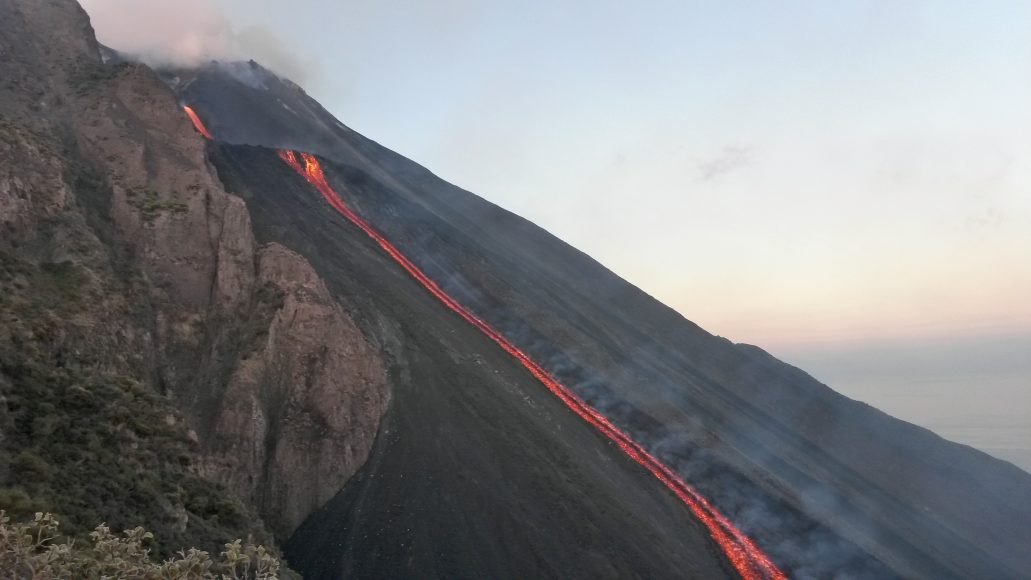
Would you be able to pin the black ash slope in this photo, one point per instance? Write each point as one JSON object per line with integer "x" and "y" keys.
{"x": 824, "y": 483}
{"x": 478, "y": 472}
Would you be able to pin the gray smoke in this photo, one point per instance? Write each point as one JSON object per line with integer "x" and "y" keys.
{"x": 729, "y": 159}
{"x": 788, "y": 532}
{"x": 186, "y": 33}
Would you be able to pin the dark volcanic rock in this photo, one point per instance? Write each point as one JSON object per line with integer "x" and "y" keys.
{"x": 824, "y": 483}
{"x": 478, "y": 471}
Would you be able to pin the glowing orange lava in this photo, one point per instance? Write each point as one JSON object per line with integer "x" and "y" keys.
{"x": 747, "y": 558}
{"x": 198, "y": 123}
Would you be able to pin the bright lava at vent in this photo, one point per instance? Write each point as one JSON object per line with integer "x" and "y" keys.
{"x": 747, "y": 558}
{"x": 197, "y": 123}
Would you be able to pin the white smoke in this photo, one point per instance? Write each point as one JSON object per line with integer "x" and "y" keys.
{"x": 188, "y": 33}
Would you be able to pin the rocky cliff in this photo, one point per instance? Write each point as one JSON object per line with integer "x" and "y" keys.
{"x": 301, "y": 410}
{"x": 192, "y": 338}
{"x": 107, "y": 200}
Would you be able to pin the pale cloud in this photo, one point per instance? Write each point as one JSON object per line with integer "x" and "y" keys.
{"x": 188, "y": 33}
{"x": 730, "y": 159}
{"x": 183, "y": 32}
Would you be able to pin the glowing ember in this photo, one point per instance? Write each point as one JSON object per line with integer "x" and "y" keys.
{"x": 749, "y": 561}
{"x": 197, "y": 123}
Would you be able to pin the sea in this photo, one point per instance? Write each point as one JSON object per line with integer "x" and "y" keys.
{"x": 971, "y": 390}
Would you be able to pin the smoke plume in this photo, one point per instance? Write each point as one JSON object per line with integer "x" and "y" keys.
{"x": 189, "y": 33}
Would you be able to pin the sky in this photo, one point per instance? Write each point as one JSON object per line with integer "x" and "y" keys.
{"x": 808, "y": 176}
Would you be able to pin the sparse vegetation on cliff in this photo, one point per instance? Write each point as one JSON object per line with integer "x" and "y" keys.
{"x": 90, "y": 443}
{"x": 151, "y": 204}
{"x": 36, "y": 550}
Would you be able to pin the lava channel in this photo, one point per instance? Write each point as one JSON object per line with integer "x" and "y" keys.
{"x": 745, "y": 556}
{"x": 197, "y": 123}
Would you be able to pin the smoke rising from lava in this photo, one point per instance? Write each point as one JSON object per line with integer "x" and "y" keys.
{"x": 747, "y": 558}
{"x": 185, "y": 33}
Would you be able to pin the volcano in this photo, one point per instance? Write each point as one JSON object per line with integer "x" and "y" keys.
{"x": 824, "y": 485}
{"x": 403, "y": 380}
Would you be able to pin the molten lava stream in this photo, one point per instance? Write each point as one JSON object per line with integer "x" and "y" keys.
{"x": 197, "y": 123}
{"x": 747, "y": 558}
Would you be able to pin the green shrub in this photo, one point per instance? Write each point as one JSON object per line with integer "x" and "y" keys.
{"x": 84, "y": 437}
{"x": 63, "y": 278}
{"x": 151, "y": 204}
{"x": 19, "y": 504}
{"x": 29, "y": 467}
{"x": 35, "y": 550}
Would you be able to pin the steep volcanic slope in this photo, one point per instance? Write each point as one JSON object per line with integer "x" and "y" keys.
{"x": 823, "y": 482}
{"x": 478, "y": 471}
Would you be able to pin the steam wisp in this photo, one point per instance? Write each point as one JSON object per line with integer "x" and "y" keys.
{"x": 190, "y": 33}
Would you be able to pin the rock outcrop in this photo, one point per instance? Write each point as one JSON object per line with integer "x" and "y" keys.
{"x": 101, "y": 170}
{"x": 300, "y": 412}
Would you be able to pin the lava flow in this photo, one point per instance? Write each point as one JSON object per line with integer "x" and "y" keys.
{"x": 747, "y": 558}
{"x": 197, "y": 123}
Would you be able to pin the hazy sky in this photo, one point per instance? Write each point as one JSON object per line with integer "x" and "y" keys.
{"x": 782, "y": 173}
